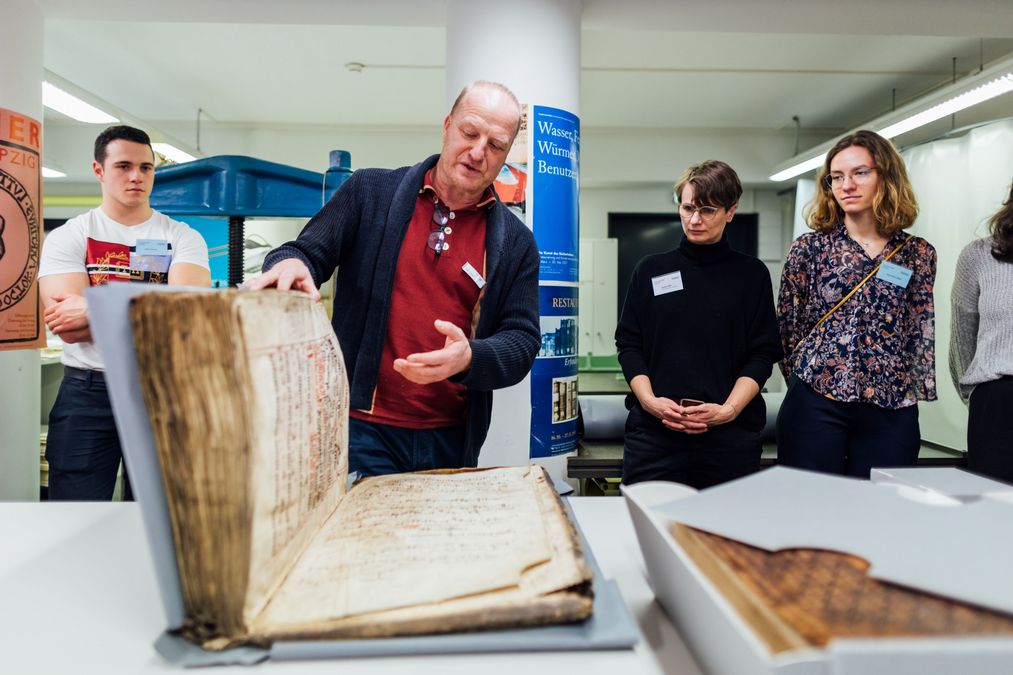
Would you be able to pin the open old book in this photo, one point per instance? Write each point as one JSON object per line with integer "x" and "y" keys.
{"x": 248, "y": 403}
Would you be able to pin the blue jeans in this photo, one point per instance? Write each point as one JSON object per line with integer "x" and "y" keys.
{"x": 82, "y": 446}
{"x": 820, "y": 434}
{"x": 377, "y": 449}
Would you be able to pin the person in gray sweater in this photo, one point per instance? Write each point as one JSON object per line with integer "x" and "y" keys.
{"x": 981, "y": 345}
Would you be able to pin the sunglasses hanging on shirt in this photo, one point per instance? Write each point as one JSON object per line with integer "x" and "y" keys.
{"x": 437, "y": 241}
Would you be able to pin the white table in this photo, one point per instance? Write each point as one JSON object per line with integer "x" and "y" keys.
{"x": 78, "y": 595}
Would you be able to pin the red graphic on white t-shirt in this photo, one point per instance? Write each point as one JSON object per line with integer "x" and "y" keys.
{"x": 107, "y": 262}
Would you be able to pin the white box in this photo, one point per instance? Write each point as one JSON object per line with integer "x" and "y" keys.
{"x": 723, "y": 642}
{"x": 957, "y": 483}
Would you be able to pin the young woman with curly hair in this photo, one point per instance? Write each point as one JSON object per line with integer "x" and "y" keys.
{"x": 856, "y": 317}
{"x": 981, "y": 344}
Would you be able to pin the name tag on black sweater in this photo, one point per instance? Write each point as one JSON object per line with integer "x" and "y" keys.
{"x": 667, "y": 283}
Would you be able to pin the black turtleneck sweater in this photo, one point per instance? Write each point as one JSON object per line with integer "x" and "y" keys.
{"x": 696, "y": 342}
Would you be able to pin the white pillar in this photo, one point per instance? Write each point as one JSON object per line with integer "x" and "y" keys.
{"x": 20, "y": 375}
{"x": 533, "y": 47}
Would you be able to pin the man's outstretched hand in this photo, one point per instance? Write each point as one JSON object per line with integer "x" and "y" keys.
{"x": 436, "y": 366}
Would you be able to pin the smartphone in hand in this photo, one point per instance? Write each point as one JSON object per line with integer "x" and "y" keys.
{"x": 686, "y": 402}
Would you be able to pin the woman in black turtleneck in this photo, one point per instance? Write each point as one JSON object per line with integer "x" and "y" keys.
{"x": 699, "y": 324}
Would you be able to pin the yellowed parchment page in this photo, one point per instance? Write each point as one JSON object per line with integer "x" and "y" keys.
{"x": 300, "y": 439}
{"x": 409, "y": 539}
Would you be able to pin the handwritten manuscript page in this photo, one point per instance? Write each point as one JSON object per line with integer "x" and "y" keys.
{"x": 408, "y": 539}
{"x": 300, "y": 436}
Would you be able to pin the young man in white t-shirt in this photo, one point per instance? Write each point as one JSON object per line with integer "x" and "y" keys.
{"x": 122, "y": 240}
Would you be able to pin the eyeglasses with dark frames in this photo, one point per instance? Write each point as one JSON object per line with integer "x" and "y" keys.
{"x": 437, "y": 241}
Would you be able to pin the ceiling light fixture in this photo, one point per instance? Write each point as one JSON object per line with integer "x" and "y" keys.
{"x": 57, "y": 99}
{"x": 800, "y": 168}
{"x": 989, "y": 90}
{"x": 172, "y": 152}
{"x": 52, "y": 173}
{"x": 983, "y": 86}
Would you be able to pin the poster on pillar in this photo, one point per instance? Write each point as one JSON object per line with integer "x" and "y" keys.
{"x": 511, "y": 184}
{"x": 554, "y": 374}
{"x": 555, "y": 171}
{"x": 554, "y": 150}
{"x": 20, "y": 232}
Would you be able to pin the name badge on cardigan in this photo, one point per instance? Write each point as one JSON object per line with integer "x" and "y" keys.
{"x": 895, "y": 274}
{"x": 667, "y": 283}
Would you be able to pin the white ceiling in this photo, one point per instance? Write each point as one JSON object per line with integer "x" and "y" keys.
{"x": 697, "y": 64}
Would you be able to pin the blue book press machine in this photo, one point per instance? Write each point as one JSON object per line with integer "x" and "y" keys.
{"x": 206, "y": 192}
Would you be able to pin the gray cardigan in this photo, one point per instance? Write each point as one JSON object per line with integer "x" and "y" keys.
{"x": 359, "y": 231}
{"x": 981, "y": 330}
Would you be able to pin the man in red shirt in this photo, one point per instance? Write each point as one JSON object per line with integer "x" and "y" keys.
{"x": 436, "y": 301}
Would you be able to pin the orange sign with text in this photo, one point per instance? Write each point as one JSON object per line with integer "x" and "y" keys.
{"x": 20, "y": 231}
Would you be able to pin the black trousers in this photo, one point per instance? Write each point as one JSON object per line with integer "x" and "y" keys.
{"x": 82, "y": 445}
{"x": 820, "y": 434}
{"x": 990, "y": 430}
{"x": 653, "y": 452}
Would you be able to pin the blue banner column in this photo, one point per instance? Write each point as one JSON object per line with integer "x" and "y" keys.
{"x": 554, "y": 137}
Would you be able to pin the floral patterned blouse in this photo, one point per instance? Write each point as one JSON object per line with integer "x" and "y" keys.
{"x": 879, "y": 347}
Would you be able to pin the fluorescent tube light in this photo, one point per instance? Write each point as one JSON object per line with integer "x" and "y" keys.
{"x": 172, "y": 152}
{"x": 52, "y": 173}
{"x": 801, "y": 167}
{"x": 71, "y": 106}
{"x": 996, "y": 87}
{"x": 993, "y": 81}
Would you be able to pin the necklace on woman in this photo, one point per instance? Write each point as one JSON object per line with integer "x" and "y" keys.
{"x": 865, "y": 244}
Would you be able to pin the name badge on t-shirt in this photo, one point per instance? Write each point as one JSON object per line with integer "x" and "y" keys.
{"x": 895, "y": 274}
{"x": 152, "y": 247}
{"x": 150, "y": 256}
{"x": 667, "y": 283}
{"x": 473, "y": 273}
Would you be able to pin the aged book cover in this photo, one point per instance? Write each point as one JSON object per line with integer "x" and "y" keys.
{"x": 802, "y": 597}
{"x": 248, "y": 402}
